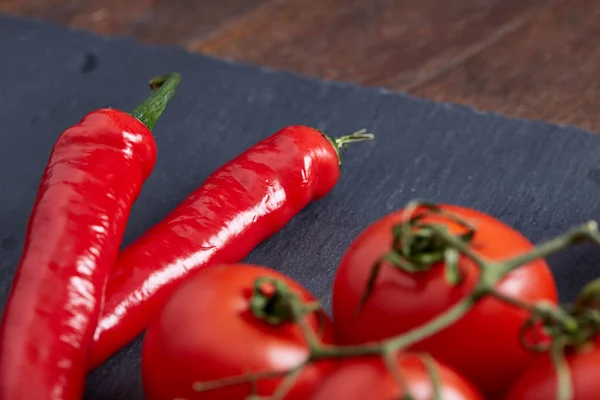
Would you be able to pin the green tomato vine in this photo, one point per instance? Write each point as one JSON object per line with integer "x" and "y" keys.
{"x": 418, "y": 246}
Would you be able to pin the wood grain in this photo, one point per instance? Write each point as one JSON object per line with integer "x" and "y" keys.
{"x": 533, "y": 59}
{"x": 548, "y": 69}
{"x": 390, "y": 43}
{"x": 152, "y": 21}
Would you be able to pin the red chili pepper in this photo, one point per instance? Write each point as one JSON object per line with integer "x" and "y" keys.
{"x": 242, "y": 203}
{"x": 94, "y": 174}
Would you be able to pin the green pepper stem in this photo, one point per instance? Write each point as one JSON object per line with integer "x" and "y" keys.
{"x": 339, "y": 144}
{"x": 359, "y": 136}
{"x": 164, "y": 88}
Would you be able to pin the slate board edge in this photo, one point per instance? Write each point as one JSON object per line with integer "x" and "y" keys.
{"x": 293, "y": 74}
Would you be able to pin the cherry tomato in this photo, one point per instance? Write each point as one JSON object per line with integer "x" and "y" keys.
{"x": 539, "y": 381}
{"x": 483, "y": 345}
{"x": 207, "y": 332}
{"x": 367, "y": 378}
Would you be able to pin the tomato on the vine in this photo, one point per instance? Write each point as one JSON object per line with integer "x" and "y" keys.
{"x": 368, "y": 377}
{"x": 208, "y": 332}
{"x": 540, "y": 381}
{"x": 484, "y": 344}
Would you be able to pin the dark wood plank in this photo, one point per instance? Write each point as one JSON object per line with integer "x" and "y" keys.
{"x": 100, "y": 16}
{"x": 391, "y": 43}
{"x": 548, "y": 69}
{"x": 534, "y": 59}
{"x": 153, "y": 21}
{"x": 183, "y": 21}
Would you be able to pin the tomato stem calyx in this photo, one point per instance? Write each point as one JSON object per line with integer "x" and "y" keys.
{"x": 271, "y": 301}
{"x": 417, "y": 246}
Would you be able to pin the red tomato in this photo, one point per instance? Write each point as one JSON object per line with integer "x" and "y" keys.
{"x": 367, "y": 378}
{"x": 539, "y": 380}
{"x": 483, "y": 346}
{"x": 207, "y": 332}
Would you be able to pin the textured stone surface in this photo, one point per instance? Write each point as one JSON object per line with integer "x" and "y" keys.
{"x": 538, "y": 177}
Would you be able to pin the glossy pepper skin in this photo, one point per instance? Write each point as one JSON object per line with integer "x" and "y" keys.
{"x": 94, "y": 174}
{"x": 241, "y": 204}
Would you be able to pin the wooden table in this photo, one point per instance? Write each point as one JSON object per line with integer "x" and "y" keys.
{"x": 524, "y": 58}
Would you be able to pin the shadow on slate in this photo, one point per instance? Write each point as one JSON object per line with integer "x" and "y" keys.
{"x": 538, "y": 177}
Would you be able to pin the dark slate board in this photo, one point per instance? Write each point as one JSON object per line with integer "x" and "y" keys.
{"x": 538, "y": 177}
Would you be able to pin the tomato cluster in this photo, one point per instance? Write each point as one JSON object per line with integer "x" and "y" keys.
{"x": 403, "y": 324}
